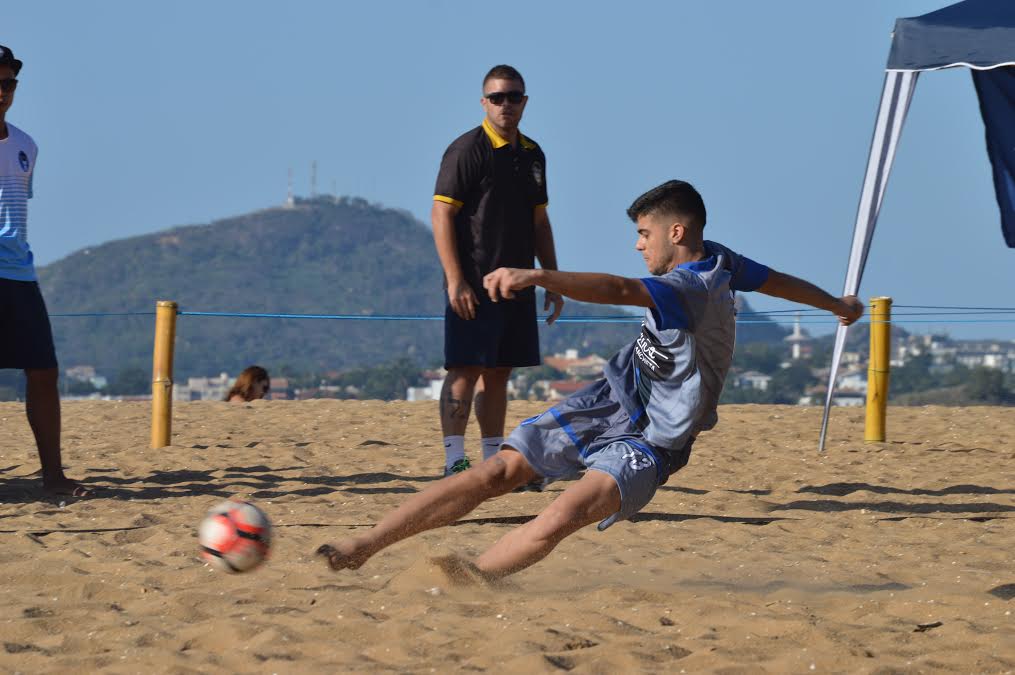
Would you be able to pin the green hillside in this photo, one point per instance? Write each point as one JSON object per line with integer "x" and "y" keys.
{"x": 322, "y": 256}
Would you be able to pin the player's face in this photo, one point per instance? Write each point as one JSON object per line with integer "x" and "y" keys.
{"x": 655, "y": 243}
{"x": 502, "y": 111}
{"x": 6, "y": 96}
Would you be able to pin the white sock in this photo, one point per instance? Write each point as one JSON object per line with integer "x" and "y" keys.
{"x": 491, "y": 446}
{"x": 454, "y": 449}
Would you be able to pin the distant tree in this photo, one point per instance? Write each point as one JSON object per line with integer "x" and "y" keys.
{"x": 746, "y": 395}
{"x": 386, "y": 382}
{"x": 759, "y": 356}
{"x": 789, "y": 384}
{"x": 79, "y": 388}
{"x": 986, "y": 385}
{"x": 130, "y": 381}
{"x": 915, "y": 375}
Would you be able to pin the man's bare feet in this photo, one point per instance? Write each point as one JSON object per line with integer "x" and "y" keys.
{"x": 65, "y": 487}
{"x": 345, "y": 555}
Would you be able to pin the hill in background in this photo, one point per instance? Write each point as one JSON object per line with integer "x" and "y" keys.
{"x": 321, "y": 256}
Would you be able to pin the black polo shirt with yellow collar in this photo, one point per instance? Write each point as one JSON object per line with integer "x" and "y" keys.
{"x": 498, "y": 188}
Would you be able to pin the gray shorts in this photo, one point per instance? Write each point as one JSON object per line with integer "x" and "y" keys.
{"x": 591, "y": 430}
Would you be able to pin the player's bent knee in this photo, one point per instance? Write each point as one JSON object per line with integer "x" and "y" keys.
{"x": 504, "y": 472}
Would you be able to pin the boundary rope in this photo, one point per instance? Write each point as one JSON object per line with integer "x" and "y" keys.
{"x": 808, "y": 316}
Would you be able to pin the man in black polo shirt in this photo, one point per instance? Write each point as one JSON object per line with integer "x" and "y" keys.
{"x": 489, "y": 211}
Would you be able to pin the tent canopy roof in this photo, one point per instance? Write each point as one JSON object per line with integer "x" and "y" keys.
{"x": 975, "y": 33}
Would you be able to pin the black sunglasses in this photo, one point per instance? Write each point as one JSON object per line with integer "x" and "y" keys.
{"x": 9, "y": 84}
{"x": 498, "y": 97}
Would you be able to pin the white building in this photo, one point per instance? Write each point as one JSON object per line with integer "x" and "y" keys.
{"x": 852, "y": 381}
{"x": 203, "y": 388}
{"x": 431, "y": 391}
{"x": 752, "y": 379}
{"x": 800, "y": 341}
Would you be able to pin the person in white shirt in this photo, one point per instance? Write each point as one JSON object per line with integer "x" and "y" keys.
{"x": 26, "y": 339}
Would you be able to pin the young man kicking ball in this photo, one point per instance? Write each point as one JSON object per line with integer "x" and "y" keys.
{"x": 635, "y": 427}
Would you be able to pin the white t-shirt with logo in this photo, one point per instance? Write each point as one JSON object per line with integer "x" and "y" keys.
{"x": 17, "y": 165}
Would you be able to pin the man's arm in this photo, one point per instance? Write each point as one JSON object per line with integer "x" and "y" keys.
{"x": 460, "y": 294}
{"x": 546, "y": 253}
{"x": 603, "y": 289}
{"x": 848, "y": 308}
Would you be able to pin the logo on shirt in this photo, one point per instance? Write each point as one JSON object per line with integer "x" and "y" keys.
{"x": 655, "y": 362}
{"x": 537, "y": 173}
{"x": 23, "y": 160}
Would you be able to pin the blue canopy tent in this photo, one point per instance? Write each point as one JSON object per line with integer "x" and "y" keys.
{"x": 974, "y": 34}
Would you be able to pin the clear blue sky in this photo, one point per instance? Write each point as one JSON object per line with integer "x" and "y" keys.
{"x": 151, "y": 115}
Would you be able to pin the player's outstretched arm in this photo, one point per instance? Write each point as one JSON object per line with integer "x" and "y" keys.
{"x": 848, "y": 308}
{"x": 604, "y": 289}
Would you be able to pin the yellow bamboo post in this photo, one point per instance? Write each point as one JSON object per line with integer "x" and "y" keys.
{"x": 162, "y": 372}
{"x": 879, "y": 369}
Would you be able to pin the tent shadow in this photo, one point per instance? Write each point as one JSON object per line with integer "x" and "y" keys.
{"x": 259, "y": 481}
{"x": 832, "y": 506}
{"x": 842, "y": 489}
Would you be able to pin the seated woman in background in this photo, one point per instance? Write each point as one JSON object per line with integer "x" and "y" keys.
{"x": 253, "y": 383}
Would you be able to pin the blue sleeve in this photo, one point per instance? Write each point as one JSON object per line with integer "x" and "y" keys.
{"x": 745, "y": 274}
{"x": 748, "y": 275}
{"x": 670, "y": 299}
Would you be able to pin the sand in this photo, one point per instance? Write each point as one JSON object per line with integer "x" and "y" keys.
{"x": 760, "y": 556}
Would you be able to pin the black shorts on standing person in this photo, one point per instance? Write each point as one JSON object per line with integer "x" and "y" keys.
{"x": 498, "y": 188}
{"x": 26, "y": 339}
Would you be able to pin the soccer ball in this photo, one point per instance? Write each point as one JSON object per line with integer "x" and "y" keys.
{"x": 235, "y": 536}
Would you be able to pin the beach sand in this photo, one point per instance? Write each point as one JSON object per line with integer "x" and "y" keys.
{"x": 760, "y": 556}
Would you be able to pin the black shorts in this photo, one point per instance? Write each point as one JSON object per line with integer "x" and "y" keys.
{"x": 26, "y": 340}
{"x": 503, "y": 334}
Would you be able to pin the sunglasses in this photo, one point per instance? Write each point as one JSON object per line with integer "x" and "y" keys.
{"x": 498, "y": 97}
{"x": 9, "y": 84}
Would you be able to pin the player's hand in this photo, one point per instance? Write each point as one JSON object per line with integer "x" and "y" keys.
{"x": 504, "y": 281}
{"x": 558, "y": 305}
{"x": 462, "y": 299}
{"x": 850, "y": 309}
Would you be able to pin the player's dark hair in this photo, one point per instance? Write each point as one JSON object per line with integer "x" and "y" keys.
{"x": 675, "y": 198}
{"x": 504, "y": 72}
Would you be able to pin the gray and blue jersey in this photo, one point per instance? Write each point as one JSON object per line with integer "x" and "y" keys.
{"x": 17, "y": 166}
{"x": 670, "y": 378}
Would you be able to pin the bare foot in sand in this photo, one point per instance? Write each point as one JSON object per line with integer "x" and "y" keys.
{"x": 348, "y": 554}
{"x": 459, "y": 570}
{"x": 65, "y": 487}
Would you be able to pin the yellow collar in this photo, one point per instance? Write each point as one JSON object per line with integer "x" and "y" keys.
{"x": 499, "y": 142}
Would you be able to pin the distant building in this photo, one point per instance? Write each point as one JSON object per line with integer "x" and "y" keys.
{"x": 431, "y": 391}
{"x": 86, "y": 374}
{"x": 752, "y": 379}
{"x": 561, "y": 389}
{"x": 80, "y": 373}
{"x": 203, "y": 388}
{"x": 280, "y": 389}
{"x": 800, "y": 341}
{"x": 852, "y": 380}
{"x": 846, "y": 399}
{"x": 581, "y": 367}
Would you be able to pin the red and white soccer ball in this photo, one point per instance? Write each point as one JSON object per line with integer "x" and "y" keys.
{"x": 235, "y": 536}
